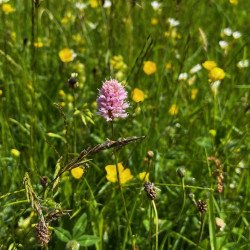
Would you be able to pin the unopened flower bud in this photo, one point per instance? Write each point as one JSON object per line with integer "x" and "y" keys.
{"x": 191, "y": 196}
{"x": 150, "y": 154}
{"x": 181, "y": 172}
{"x": 72, "y": 245}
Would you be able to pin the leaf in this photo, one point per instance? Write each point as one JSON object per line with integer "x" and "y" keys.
{"x": 87, "y": 240}
{"x": 79, "y": 227}
{"x": 62, "y": 234}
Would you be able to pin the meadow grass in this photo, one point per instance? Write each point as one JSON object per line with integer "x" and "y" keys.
{"x": 190, "y": 131}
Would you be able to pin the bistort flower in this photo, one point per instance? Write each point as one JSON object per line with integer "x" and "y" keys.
{"x": 111, "y": 100}
{"x": 124, "y": 174}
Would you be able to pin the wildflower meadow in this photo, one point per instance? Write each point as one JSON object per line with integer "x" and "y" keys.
{"x": 124, "y": 124}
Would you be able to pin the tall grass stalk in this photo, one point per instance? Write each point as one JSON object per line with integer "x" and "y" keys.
{"x": 121, "y": 191}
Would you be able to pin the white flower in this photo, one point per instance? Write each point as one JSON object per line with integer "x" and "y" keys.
{"x": 220, "y": 223}
{"x": 173, "y": 22}
{"x": 107, "y": 4}
{"x": 155, "y": 5}
{"x": 80, "y": 6}
{"x": 227, "y": 32}
{"x": 236, "y": 35}
{"x": 223, "y": 44}
{"x": 243, "y": 64}
{"x": 215, "y": 85}
{"x": 183, "y": 76}
{"x": 195, "y": 69}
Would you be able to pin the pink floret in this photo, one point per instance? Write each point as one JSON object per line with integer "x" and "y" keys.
{"x": 111, "y": 100}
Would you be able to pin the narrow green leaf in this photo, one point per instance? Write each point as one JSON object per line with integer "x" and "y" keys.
{"x": 80, "y": 226}
{"x": 62, "y": 234}
{"x": 87, "y": 240}
{"x": 211, "y": 222}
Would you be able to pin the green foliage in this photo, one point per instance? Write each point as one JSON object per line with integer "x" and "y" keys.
{"x": 54, "y": 147}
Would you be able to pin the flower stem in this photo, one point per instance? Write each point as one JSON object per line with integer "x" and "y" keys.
{"x": 156, "y": 225}
{"x": 201, "y": 229}
{"x": 121, "y": 191}
{"x": 74, "y": 104}
{"x": 184, "y": 198}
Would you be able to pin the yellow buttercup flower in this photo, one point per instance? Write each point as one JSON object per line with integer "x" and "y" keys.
{"x": 67, "y": 55}
{"x": 15, "y": 152}
{"x": 124, "y": 174}
{"x": 138, "y": 95}
{"x": 61, "y": 93}
{"x": 94, "y": 3}
{"x": 1, "y": 92}
{"x": 77, "y": 173}
{"x": 209, "y": 65}
{"x": 235, "y": 2}
{"x": 212, "y": 132}
{"x": 7, "y": 8}
{"x": 149, "y": 67}
{"x": 154, "y": 21}
{"x": 143, "y": 176}
{"x": 216, "y": 74}
{"x": 173, "y": 110}
{"x": 169, "y": 65}
{"x": 194, "y": 93}
{"x": 38, "y": 44}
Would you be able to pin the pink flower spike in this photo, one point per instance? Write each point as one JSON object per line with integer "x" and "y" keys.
{"x": 111, "y": 100}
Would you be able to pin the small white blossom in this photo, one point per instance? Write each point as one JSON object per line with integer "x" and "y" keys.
{"x": 220, "y": 223}
{"x": 195, "y": 69}
{"x": 227, "y": 32}
{"x": 215, "y": 85}
{"x": 236, "y": 35}
{"x": 155, "y": 5}
{"x": 223, "y": 44}
{"x": 107, "y": 4}
{"x": 173, "y": 22}
{"x": 80, "y": 6}
{"x": 183, "y": 76}
{"x": 243, "y": 64}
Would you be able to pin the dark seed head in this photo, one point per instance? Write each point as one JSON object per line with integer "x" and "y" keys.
{"x": 42, "y": 233}
{"x": 150, "y": 190}
{"x": 202, "y": 206}
{"x": 72, "y": 82}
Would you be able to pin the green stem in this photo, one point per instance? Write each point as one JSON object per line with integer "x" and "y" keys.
{"x": 74, "y": 104}
{"x": 184, "y": 199}
{"x": 121, "y": 191}
{"x": 150, "y": 229}
{"x": 201, "y": 229}
{"x": 156, "y": 225}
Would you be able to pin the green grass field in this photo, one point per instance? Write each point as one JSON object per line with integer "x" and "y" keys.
{"x": 182, "y": 151}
